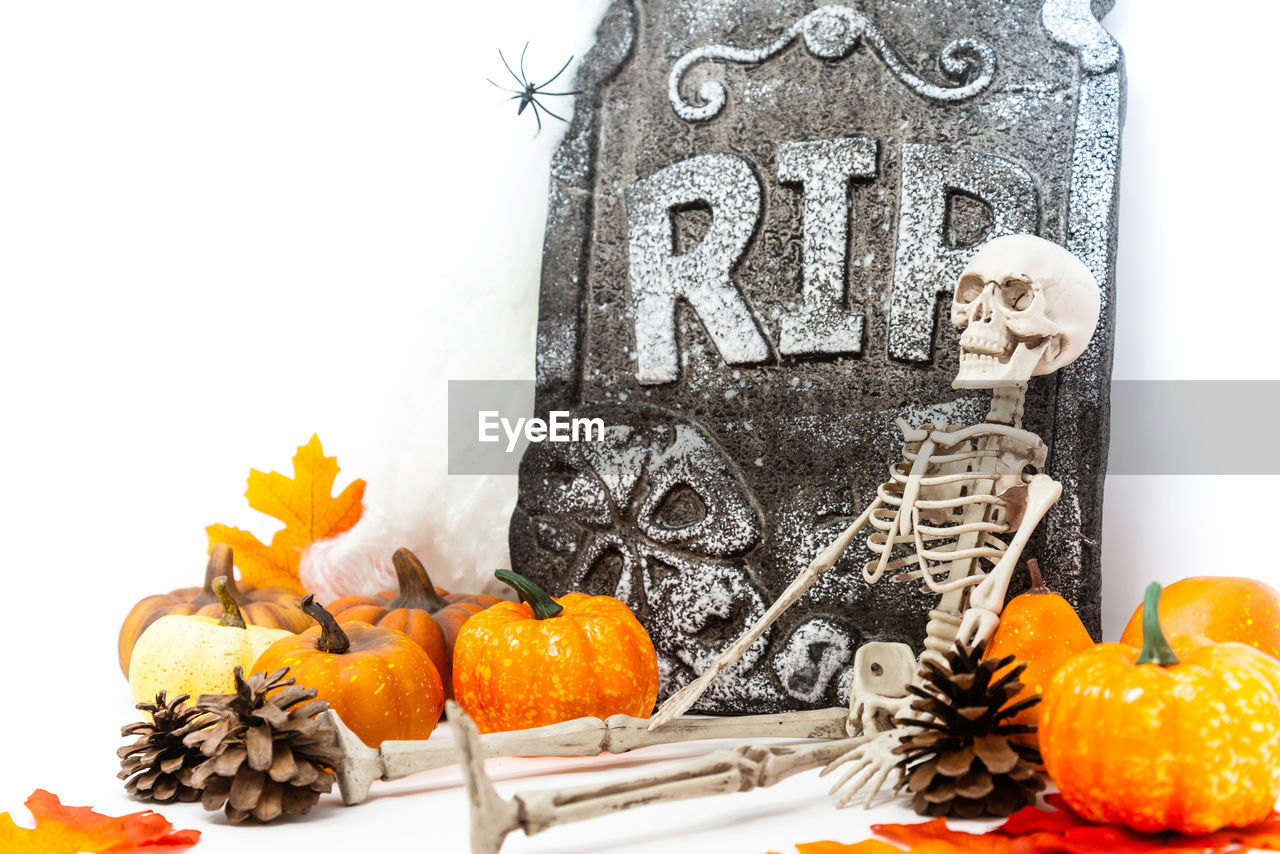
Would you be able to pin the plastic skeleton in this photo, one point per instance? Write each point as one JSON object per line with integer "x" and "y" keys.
{"x": 961, "y": 495}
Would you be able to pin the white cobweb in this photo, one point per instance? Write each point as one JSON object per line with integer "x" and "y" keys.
{"x": 481, "y": 266}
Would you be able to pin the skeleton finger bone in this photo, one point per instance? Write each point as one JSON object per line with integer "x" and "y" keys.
{"x": 362, "y": 765}
{"x": 728, "y": 770}
{"x": 870, "y": 766}
{"x": 681, "y": 701}
{"x": 978, "y": 625}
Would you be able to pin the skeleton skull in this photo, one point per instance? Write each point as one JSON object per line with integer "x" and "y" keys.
{"x": 1027, "y": 306}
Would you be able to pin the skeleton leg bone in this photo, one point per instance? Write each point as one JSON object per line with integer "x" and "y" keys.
{"x": 729, "y": 770}
{"x": 361, "y": 765}
{"x": 681, "y": 701}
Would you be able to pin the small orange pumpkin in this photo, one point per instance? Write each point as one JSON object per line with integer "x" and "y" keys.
{"x": 1220, "y": 609}
{"x": 379, "y": 681}
{"x": 269, "y": 607}
{"x": 428, "y": 614}
{"x": 1042, "y": 630}
{"x": 519, "y": 665}
{"x": 1158, "y": 739}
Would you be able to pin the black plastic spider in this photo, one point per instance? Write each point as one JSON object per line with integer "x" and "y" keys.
{"x": 528, "y": 93}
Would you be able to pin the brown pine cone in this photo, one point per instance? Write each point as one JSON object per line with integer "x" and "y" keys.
{"x": 266, "y": 754}
{"x": 963, "y": 761}
{"x": 157, "y": 765}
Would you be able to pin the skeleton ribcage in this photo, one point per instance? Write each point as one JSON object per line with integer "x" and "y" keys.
{"x": 954, "y": 523}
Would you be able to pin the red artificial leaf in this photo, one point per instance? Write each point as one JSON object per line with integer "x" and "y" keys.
{"x": 1264, "y": 834}
{"x": 67, "y": 830}
{"x": 1035, "y": 820}
{"x": 1058, "y": 831}
{"x": 1061, "y": 830}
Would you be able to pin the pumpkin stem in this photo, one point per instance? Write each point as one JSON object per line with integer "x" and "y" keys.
{"x": 332, "y": 637}
{"x": 1155, "y": 649}
{"x": 544, "y": 607}
{"x": 221, "y": 563}
{"x": 416, "y": 589}
{"x": 1037, "y": 580}
{"x": 231, "y": 615}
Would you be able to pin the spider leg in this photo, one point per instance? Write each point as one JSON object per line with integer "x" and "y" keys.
{"x": 574, "y": 92}
{"x": 524, "y": 78}
{"x": 557, "y": 74}
{"x": 535, "y": 114}
{"x": 513, "y": 92}
{"x": 553, "y": 115}
{"x": 523, "y": 83}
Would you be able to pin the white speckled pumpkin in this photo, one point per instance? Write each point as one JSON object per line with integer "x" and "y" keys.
{"x": 191, "y": 654}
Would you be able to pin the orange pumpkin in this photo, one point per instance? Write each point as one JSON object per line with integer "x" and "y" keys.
{"x": 428, "y": 614}
{"x": 1220, "y": 609}
{"x": 1042, "y": 630}
{"x": 519, "y": 665}
{"x": 379, "y": 681}
{"x": 270, "y": 607}
{"x": 1158, "y": 739}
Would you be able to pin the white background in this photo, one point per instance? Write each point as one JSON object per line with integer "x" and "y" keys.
{"x": 225, "y": 226}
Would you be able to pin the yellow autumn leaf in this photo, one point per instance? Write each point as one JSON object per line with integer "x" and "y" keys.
{"x": 305, "y": 504}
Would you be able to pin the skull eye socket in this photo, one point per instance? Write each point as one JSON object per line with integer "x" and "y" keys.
{"x": 682, "y": 507}
{"x": 1016, "y": 294}
{"x": 969, "y": 289}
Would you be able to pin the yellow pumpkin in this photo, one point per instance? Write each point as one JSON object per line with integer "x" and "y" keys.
{"x": 274, "y": 607}
{"x": 193, "y": 654}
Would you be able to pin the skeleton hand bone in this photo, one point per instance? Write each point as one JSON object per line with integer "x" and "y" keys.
{"x": 978, "y": 625}
{"x": 872, "y": 713}
{"x": 871, "y": 765}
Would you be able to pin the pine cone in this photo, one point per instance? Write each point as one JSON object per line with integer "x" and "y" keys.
{"x": 962, "y": 760}
{"x": 266, "y": 754}
{"x": 157, "y": 766}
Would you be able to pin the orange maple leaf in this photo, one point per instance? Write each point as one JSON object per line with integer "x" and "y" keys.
{"x": 305, "y": 504}
{"x": 66, "y": 830}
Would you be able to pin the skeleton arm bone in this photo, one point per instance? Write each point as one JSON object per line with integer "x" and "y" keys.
{"x": 987, "y": 599}
{"x": 681, "y": 701}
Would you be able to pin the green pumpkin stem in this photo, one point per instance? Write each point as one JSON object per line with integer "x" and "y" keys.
{"x": 1155, "y": 648}
{"x": 231, "y": 615}
{"x": 544, "y": 607}
{"x": 416, "y": 589}
{"x": 332, "y": 637}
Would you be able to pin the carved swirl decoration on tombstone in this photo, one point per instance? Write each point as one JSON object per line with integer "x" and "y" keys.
{"x": 832, "y": 32}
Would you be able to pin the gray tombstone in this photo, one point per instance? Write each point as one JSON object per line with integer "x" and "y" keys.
{"x": 757, "y": 217}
